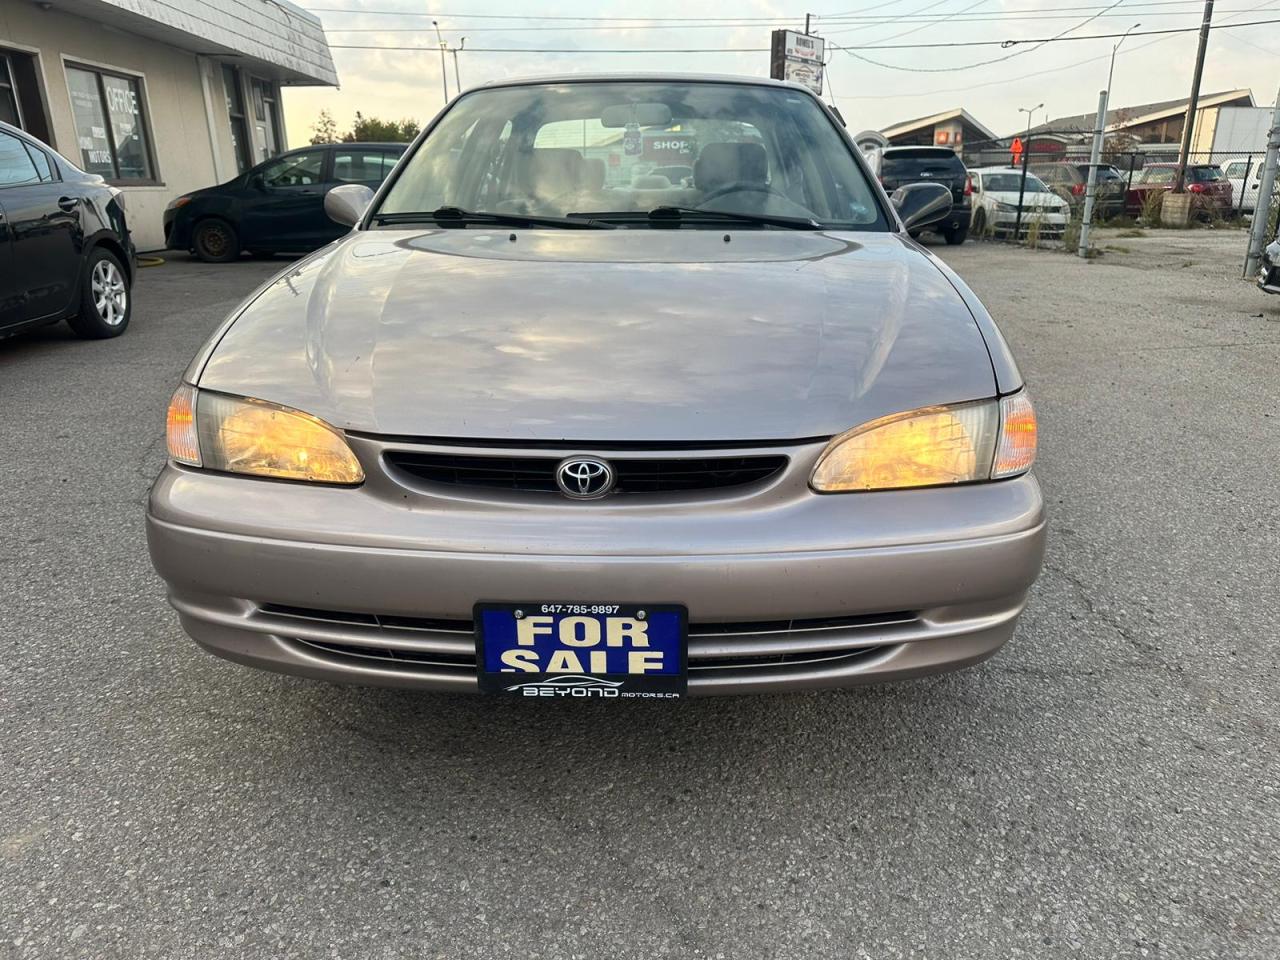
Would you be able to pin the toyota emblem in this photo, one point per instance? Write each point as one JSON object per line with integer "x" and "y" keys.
{"x": 584, "y": 478}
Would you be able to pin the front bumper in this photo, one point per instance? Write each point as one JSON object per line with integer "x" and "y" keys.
{"x": 1269, "y": 275}
{"x": 1050, "y": 224}
{"x": 177, "y": 230}
{"x": 785, "y": 589}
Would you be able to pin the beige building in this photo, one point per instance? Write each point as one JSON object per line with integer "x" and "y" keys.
{"x": 158, "y": 96}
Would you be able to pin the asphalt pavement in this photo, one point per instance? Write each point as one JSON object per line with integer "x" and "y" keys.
{"x": 1108, "y": 786}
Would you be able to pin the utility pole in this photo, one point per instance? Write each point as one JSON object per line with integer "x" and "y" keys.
{"x": 1091, "y": 191}
{"x": 457, "y": 81}
{"x": 1266, "y": 189}
{"x": 1026, "y": 156}
{"x": 1095, "y": 156}
{"x": 444, "y": 75}
{"x": 1180, "y": 180}
{"x": 806, "y": 24}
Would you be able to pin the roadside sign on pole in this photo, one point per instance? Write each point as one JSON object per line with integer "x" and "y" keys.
{"x": 797, "y": 57}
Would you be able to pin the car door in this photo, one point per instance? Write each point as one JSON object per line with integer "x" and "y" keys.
{"x": 43, "y": 227}
{"x": 283, "y": 208}
{"x": 10, "y": 291}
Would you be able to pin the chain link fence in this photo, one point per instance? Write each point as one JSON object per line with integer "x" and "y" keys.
{"x": 1064, "y": 167}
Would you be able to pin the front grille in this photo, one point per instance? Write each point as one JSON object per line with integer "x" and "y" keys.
{"x": 634, "y": 475}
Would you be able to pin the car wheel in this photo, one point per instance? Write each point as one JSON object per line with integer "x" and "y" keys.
{"x": 956, "y": 235}
{"x": 106, "y": 301}
{"x": 215, "y": 241}
{"x": 979, "y": 222}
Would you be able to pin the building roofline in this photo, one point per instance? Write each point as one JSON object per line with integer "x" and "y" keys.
{"x": 960, "y": 113}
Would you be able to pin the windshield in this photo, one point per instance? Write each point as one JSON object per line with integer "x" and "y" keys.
{"x": 591, "y": 149}
{"x": 1012, "y": 182}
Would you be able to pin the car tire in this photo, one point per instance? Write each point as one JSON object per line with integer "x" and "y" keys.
{"x": 106, "y": 297}
{"x": 215, "y": 241}
{"x": 979, "y": 227}
{"x": 956, "y": 235}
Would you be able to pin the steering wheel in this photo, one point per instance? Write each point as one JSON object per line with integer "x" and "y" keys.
{"x": 744, "y": 186}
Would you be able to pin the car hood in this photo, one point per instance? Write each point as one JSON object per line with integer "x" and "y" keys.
{"x": 636, "y": 335}
{"x": 1038, "y": 198}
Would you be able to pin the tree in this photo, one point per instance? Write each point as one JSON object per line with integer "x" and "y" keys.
{"x": 325, "y": 129}
{"x": 373, "y": 130}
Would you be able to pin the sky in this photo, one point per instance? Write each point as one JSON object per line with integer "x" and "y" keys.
{"x": 903, "y": 84}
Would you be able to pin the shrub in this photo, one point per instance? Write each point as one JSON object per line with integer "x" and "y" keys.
{"x": 1152, "y": 202}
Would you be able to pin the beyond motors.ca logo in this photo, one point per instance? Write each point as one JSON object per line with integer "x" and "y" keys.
{"x": 568, "y": 686}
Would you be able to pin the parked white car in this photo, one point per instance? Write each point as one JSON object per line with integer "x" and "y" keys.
{"x": 1244, "y": 196}
{"x": 995, "y": 203}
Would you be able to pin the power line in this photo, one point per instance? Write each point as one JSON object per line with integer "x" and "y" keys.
{"x": 1005, "y": 81}
{"x": 1035, "y": 44}
{"x": 928, "y": 20}
{"x": 675, "y": 23}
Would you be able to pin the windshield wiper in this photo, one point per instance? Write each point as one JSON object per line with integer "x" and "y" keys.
{"x": 677, "y": 214}
{"x": 456, "y": 216}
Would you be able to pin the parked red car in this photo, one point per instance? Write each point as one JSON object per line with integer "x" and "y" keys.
{"x": 1206, "y": 180}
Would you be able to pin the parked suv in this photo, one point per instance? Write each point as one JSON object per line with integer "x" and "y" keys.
{"x": 278, "y": 206}
{"x": 1070, "y": 181}
{"x": 900, "y": 166}
{"x": 1204, "y": 180}
{"x": 65, "y": 252}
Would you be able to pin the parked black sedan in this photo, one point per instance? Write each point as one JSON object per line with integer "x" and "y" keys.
{"x": 277, "y": 206}
{"x": 65, "y": 252}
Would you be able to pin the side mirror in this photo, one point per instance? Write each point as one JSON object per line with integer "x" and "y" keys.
{"x": 257, "y": 183}
{"x": 346, "y": 204}
{"x": 920, "y": 204}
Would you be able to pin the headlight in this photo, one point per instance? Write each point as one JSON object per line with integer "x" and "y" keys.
{"x": 241, "y": 435}
{"x": 934, "y": 446}
{"x": 178, "y": 202}
{"x": 1007, "y": 207}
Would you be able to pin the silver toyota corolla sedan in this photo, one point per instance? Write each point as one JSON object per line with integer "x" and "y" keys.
{"x": 561, "y": 418}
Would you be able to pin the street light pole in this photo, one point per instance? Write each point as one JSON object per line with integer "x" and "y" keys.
{"x": 1112, "y": 72}
{"x": 1095, "y": 157}
{"x": 1026, "y": 156}
{"x": 444, "y": 76}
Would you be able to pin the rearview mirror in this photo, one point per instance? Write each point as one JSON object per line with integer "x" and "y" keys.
{"x": 641, "y": 114}
{"x": 920, "y": 204}
{"x": 346, "y": 204}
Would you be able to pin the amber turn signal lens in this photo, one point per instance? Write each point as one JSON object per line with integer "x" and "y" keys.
{"x": 1016, "y": 451}
{"x": 180, "y": 427}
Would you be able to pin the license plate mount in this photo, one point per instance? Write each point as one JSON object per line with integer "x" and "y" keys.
{"x": 583, "y": 650}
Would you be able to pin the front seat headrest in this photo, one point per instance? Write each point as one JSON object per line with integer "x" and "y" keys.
{"x": 722, "y": 163}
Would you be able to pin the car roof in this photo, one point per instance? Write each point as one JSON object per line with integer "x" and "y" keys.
{"x": 363, "y": 143}
{"x": 640, "y": 77}
{"x": 922, "y": 148}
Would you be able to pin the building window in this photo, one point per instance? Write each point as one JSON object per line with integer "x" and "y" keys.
{"x": 10, "y": 111}
{"x": 235, "y": 112}
{"x": 110, "y": 127}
